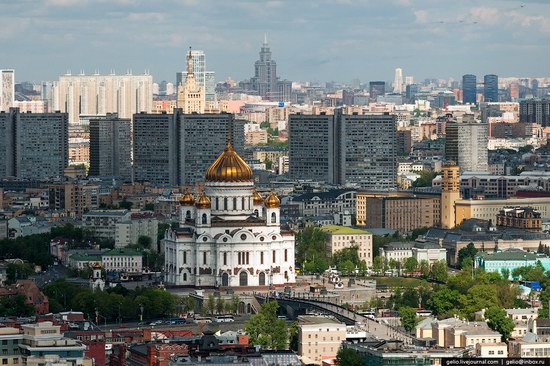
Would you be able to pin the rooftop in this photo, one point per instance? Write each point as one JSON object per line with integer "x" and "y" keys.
{"x": 509, "y": 255}
{"x": 317, "y": 320}
{"x": 332, "y": 194}
{"x": 342, "y": 230}
{"x": 122, "y": 252}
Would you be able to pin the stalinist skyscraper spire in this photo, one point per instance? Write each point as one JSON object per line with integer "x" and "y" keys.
{"x": 191, "y": 97}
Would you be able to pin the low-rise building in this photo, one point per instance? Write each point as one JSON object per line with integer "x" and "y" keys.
{"x": 319, "y": 337}
{"x": 492, "y": 350}
{"x": 325, "y": 203}
{"x": 103, "y": 222}
{"x": 340, "y": 237}
{"x": 457, "y": 333}
{"x": 529, "y": 346}
{"x": 509, "y": 260}
{"x": 488, "y": 209}
{"x": 398, "y": 210}
{"x": 10, "y": 339}
{"x": 30, "y": 291}
{"x": 127, "y": 232}
{"x": 520, "y": 217}
{"x": 122, "y": 260}
{"x": 26, "y": 225}
{"x": 420, "y": 250}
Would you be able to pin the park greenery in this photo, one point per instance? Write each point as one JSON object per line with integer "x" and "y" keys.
{"x": 348, "y": 357}
{"x": 408, "y": 317}
{"x": 15, "y": 306}
{"x": 425, "y": 179}
{"x": 264, "y": 329}
{"x": 113, "y": 304}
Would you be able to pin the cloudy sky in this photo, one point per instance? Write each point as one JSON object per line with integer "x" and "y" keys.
{"x": 310, "y": 39}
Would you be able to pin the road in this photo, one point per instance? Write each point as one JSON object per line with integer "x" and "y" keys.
{"x": 52, "y": 273}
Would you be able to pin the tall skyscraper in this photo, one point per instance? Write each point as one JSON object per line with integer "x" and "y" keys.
{"x": 175, "y": 149}
{"x": 490, "y": 88}
{"x": 7, "y": 89}
{"x": 409, "y": 80}
{"x": 469, "y": 89}
{"x": 110, "y": 147}
{"x": 344, "y": 149}
{"x": 206, "y": 79}
{"x": 33, "y": 145}
{"x": 466, "y": 145}
{"x": 376, "y": 88}
{"x": 94, "y": 95}
{"x": 191, "y": 95}
{"x": 535, "y": 111}
{"x": 398, "y": 81}
{"x": 265, "y": 82}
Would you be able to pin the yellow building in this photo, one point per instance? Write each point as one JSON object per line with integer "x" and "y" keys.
{"x": 450, "y": 193}
{"x": 340, "y": 237}
{"x": 191, "y": 98}
{"x": 489, "y": 209}
{"x": 319, "y": 337}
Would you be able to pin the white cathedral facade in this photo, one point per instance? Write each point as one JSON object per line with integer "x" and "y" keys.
{"x": 229, "y": 236}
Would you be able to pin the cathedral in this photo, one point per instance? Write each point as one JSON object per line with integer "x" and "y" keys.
{"x": 229, "y": 235}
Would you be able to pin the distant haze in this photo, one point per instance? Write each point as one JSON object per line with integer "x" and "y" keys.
{"x": 310, "y": 39}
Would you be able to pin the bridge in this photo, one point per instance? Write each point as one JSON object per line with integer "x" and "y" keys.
{"x": 294, "y": 306}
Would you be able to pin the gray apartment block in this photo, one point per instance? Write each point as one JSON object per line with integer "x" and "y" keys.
{"x": 110, "y": 147}
{"x": 367, "y": 146}
{"x": 176, "y": 149}
{"x": 33, "y": 145}
{"x": 202, "y": 138}
{"x": 344, "y": 149}
{"x": 155, "y": 148}
{"x": 466, "y": 145}
{"x": 311, "y": 151}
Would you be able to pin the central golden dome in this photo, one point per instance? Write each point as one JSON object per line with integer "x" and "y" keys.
{"x": 229, "y": 167}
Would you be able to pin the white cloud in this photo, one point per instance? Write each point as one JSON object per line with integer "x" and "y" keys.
{"x": 421, "y": 16}
{"x": 485, "y": 15}
{"x": 543, "y": 23}
{"x": 147, "y": 17}
{"x": 66, "y": 3}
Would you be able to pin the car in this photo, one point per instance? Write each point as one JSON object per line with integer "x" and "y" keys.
{"x": 224, "y": 319}
{"x": 156, "y": 322}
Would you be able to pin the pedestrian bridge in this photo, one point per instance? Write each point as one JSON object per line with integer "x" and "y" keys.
{"x": 294, "y": 306}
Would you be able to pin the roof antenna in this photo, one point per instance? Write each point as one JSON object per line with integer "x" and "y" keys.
{"x": 229, "y": 133}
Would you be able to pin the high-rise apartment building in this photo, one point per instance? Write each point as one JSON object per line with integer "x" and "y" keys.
{"x": 265, "y": 82}
{"x": 466, "y": 145}
{"x": 206, "y": 79}
{"x": 344, "y": 149}
{"x": 469, "y": 89}
{"x": 398, "y": 81}
{"x": 535, "y": 111}
{"x": 200, "y": 139}
{"x": 7, "y": 89}
{"x": 311, "y": 147}
{"x": 110, "y": 147}
{"x": 376, "y": 88}
{"x": 101, "y": 94}
{"x": 191, "y": 96}
{"x": 490, "y": 88}
{"x": 154, "y": 139}
{"x": 33, "y": 145}
{"x": 175, "y": 149}
{"x": 367, "y": 150}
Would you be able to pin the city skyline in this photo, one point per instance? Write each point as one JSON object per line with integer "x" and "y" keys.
{"x": 76, "y": 34}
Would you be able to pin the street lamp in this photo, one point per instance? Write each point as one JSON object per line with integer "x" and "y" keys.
{"x": 141, "y": 312}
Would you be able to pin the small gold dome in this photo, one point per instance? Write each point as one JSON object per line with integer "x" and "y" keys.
{"x": 96, "y": 265}
{"x": 203, "y": 201}
{"x": 258, "y": 200}
{"x": 272, "y": 201}
{"x": 187, "y": 199}
{"x": 229, "y": 167}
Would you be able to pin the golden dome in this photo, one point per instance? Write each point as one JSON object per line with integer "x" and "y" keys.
{"x": 203, "y": 201}
{"x": 229, "y": 167}
{"x": 187, "y": 199}
{"x": 272, "y": 201}
{"x": 258, "y": 200}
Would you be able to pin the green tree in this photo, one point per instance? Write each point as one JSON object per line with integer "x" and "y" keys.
{"x": 149, "y": 207}
{"x": 265, "y": 329}
{"x": 378, "y": 264}
{"x": 17, "y": 271}
{"x": 268, "y": 164}
{"x": 293, "y": 336}
{"x": 125, "y": 204}
{"x": 348, "y": 357}
{"x": 211, "y": 304}
{"x": 425, "y": 180}
{"x": 15, "y": 306}
{"x": 540, "y": 249}
{"x": 469, "y": 251}
{"x": 220, "y": 305}
{"x": 478, "y": 297}
{"x": 410, "y": 264}
{"x": 408, "y": 318}
{"x": 144, "y": 241}
{"x": 443, "y": 301}
{"x": 439, "y": 272}
{"x": 424, "y": 268}
{"x": 498, "y": 320}
{"x": 505, "y": 273}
